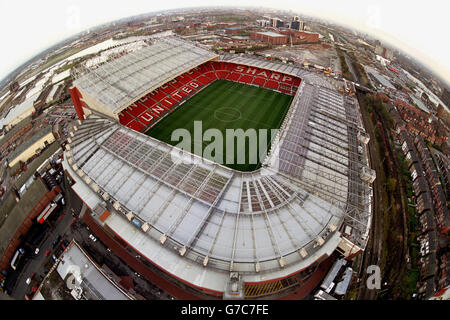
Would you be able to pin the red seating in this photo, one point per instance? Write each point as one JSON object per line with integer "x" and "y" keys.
{"x": 136, "y": 109}
{"x": 146, "y": 118}
{"x": 233, "y": 76}
{"x": 222, "y": 74}
{"x": 125, "y": 117}
{"x": 286, "y": 80}
{"x": 178, "y": 82}
{"x": 272, "y": 84}
{"x": 168, "y": 102}
{"x": 135, "y": 125}
{"x": 285, "y": 91}
{"x": 158, "y": 109}
{"x": 147, "y": 101}
{"x": 194, "y": 74}
{"x": 148, "y": 110}
{"x": 168, "y": 89}
{"x": 157, "y": 95}
{"x": 204, "y": 80}
{"x": 229, "y": 66}
{"x": 194, "y": 84}
{"x": 209, "y": 66}
{"x": 211, "y": 75}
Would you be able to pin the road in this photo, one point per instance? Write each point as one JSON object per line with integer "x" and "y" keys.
{"x": 71, "y": 229}
{"x": 37, "y": 263}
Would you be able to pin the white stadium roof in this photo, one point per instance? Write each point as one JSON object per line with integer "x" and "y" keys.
{"x": 201, "y": 220}
{"x": 117, "y": 83}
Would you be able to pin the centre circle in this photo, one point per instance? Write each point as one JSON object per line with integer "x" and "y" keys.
{"x": 227, "y": 114}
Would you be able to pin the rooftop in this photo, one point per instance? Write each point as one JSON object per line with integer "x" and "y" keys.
{"x": 45, "y": 130}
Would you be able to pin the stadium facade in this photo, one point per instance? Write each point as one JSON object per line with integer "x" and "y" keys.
{"x": 203, "y": 230}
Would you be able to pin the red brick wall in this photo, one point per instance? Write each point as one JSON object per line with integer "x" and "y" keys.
{"x": 268, "y": 39}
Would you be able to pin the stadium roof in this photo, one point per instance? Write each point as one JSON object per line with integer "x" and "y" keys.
{"x": 118, "y": 83}
{"x": 265, "y": 224}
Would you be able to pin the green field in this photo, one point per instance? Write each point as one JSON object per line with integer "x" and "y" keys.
{"x": 226, "y": 105}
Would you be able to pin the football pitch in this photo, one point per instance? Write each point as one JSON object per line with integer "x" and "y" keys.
{"x": 226, "y": 105}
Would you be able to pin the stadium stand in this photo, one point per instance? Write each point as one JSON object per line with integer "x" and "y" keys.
{"x": 147, "y": 111}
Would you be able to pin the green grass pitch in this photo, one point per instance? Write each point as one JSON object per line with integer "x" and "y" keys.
{"x": 227, "y": 105}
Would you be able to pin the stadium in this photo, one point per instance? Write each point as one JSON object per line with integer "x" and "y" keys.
{"x": 205, "y": 230}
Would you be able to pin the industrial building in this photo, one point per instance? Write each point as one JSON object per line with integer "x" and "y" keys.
{"x": 270, "y": 37}
{"x": 285, "y": 36}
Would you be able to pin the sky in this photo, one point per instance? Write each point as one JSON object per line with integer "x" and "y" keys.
{"x": 419, "y": 28}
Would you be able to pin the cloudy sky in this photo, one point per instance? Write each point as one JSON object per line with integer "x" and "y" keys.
{"x": 418, "y": 27}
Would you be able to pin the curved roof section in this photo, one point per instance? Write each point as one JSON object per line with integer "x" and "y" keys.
{"x": 307, "y": 76}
